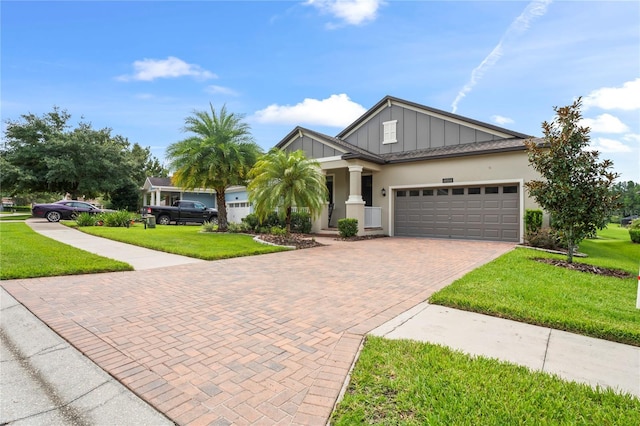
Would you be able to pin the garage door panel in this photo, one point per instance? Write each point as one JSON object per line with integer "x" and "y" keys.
{"x": 492, "y": 216}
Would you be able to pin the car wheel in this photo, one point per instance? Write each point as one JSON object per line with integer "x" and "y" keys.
{"x": 164, "y": 220}
{"x": 213, "y": 220}
{"x": 53, "y": 216}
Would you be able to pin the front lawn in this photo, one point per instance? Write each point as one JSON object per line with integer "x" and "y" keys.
{"x": 516, "y": 287}
{"x": 24, "y": 216}
{"x": 410, "y": 383}
{"x": 27, "y": 254}
{"x": 185, "y": 240}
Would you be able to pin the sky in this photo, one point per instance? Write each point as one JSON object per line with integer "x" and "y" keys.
{"x": 141, "y": 67}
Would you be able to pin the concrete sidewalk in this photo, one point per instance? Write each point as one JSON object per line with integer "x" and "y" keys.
{"x": 138, "y": 257}
{"x": 45, "y": 381}
{"x": 571, "y": 356}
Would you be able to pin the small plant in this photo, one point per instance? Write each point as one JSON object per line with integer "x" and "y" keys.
{"x": 348, "y": 227}
{"x": 238, "y": 228}
{"x": 119, "y": 219}
{"x": 546, "y": 238}
{"x": 532, "y": 220}
{"x": 278, "y": 231}
{"x": 86, "y": 219}
{"x": 634, "y": 231}
{"x": 209, "y": 226}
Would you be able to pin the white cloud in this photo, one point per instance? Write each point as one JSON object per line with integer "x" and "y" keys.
{"x": 172, "y": 67}
{"x": 352, "y": 12}
{"x": 215, "y": 90}
{"x": 335, "y": 111}
{"x": 626, "y": 98}
{"x": 605, "y": 123}
{"x": 609, "y": 145}
{"x": 498, "y": 119}
{"x": 533, "y": 10}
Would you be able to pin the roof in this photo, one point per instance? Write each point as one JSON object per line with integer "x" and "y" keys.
{"x": 160, "y": 181}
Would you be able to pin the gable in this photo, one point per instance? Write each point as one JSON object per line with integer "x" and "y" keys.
{"x": 418, "y": 128}
{"x": 313, "y": 144}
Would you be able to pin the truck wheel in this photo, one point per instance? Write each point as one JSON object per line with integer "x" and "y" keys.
{"x": 213, "y": 220}
{"x": 164, "y": 220}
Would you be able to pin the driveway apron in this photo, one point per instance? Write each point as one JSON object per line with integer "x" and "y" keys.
{"x": 256, "y": 340}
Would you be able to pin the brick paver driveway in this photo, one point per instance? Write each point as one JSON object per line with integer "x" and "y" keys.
{"x": 257, "y": 340}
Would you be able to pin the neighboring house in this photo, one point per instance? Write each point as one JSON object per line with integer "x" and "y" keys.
{"x": 404, "y": 169}
{"x": 161, "y": 192}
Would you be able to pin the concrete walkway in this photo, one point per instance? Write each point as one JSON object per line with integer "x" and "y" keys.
{"x": 270, "y": 339}
{"x": 571, "y": 356}
{"x": 138, "y": 257}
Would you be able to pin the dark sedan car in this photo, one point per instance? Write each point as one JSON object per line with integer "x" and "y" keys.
{"x": 65, "y": 209}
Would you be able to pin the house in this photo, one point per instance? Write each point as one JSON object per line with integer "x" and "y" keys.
{"x": 405, "y": 169}
{"x": 161, "y": 192}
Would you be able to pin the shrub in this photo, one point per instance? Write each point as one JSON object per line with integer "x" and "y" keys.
{"x": 348, "y": 227}
{"x": 546, "y": 238}
{"x": 532, "y": 220}
{"x": 634, "y": 231}
{"x": 86, "y": 219}
{"x": 237, "y": 228}
{"x": 301, "y": 222}
{"x": 277, "y": 230}
{"x": 251, "y": 221}
{"x": 121, "y": 218}
{"x": 209, "y": 226}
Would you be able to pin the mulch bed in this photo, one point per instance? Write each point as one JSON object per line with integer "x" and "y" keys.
{"x": 299, "y": 241}
{"x": 582, "y": 267}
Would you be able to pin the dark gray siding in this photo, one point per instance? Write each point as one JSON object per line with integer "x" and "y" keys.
{"x": 414, "y": 131}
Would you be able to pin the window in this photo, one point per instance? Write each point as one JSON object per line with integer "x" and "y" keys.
{"x": 427, "y": 192}
{"x": 414, "y": 193}
{"x": 402, "y": 193}
{"x": 473, "y": 191}
{"x": 389, "y": 132}
{"x": 510, "y": 189}
{"x": 491, "y": 190}
{"x": 443, "y": 192}
{"x": 457, "y": 191}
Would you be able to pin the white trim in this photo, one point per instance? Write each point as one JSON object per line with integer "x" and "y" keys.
{"x": 519, "y": 181}
{"x": 327, "y": 159}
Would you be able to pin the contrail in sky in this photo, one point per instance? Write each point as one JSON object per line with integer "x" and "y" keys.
{"x": 533, "y": 10}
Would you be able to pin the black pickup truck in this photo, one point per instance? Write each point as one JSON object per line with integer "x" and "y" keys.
{"x": 182, "y": 211}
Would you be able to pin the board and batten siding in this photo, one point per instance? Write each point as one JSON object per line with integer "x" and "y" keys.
{"x": 312, "y": 148}
{"x": 414, "y": 131}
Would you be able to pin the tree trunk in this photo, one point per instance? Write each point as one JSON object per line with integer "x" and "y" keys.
{"x": 222, "y": 210}
{"x": 288, "y": 220}
{"x": 570, "y": 246}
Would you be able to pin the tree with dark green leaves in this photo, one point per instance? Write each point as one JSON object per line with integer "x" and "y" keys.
{"x": 44, "y": 154}
{"x": 629, "y": 197}
{"x": 576, "y": 187}
{"x": 281, "y": 180}
{"x": 219, "y": 154}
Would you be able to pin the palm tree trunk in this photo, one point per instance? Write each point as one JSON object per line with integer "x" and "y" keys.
{"x": 222, "y": 210}
{"x": 288, "y": 220}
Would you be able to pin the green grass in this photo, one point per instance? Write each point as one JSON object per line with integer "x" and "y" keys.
{"x": 398, "y": 382}
{"x": 516, "y": 287}
{"x": 26, "y": 254}
{"x": 15, "y": 217}
{"x": 185, "y": 240}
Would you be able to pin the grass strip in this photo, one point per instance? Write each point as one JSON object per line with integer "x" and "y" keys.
{"x": 516, "y": 287}
{"x": 185, "y": 240}
{"x": 27, "y": 254}
{"x": 401, "y": 382}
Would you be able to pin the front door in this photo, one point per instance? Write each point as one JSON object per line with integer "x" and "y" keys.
{"x": 367, "y": 190}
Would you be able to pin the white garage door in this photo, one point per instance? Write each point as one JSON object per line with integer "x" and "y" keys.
{"x": 488, "y": 212}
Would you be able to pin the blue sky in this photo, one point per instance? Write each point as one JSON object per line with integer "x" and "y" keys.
{"x": 141, "y": 67}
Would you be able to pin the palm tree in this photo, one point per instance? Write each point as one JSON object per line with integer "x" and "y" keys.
{"x": 281, "y": 180}
{"x": 219, "y": 154}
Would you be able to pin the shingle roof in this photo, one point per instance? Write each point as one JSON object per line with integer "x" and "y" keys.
{"x": 159, "y": 181}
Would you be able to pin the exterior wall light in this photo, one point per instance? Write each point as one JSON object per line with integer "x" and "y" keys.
{"x": 383, "y": 192}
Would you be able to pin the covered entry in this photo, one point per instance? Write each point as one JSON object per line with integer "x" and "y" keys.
{"x": 482, "y": 212}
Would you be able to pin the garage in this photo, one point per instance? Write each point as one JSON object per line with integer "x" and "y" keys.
{"x": 482, "y": 212}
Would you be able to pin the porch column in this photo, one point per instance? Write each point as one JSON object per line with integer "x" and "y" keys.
{"x": 322, "y": 221}
{"x": 144, "y": 199}
{"x": 355, "y": 203}
{"x": 158, "y": 196}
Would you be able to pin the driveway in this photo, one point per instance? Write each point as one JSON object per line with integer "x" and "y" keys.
{"x": 257, "y": 340}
